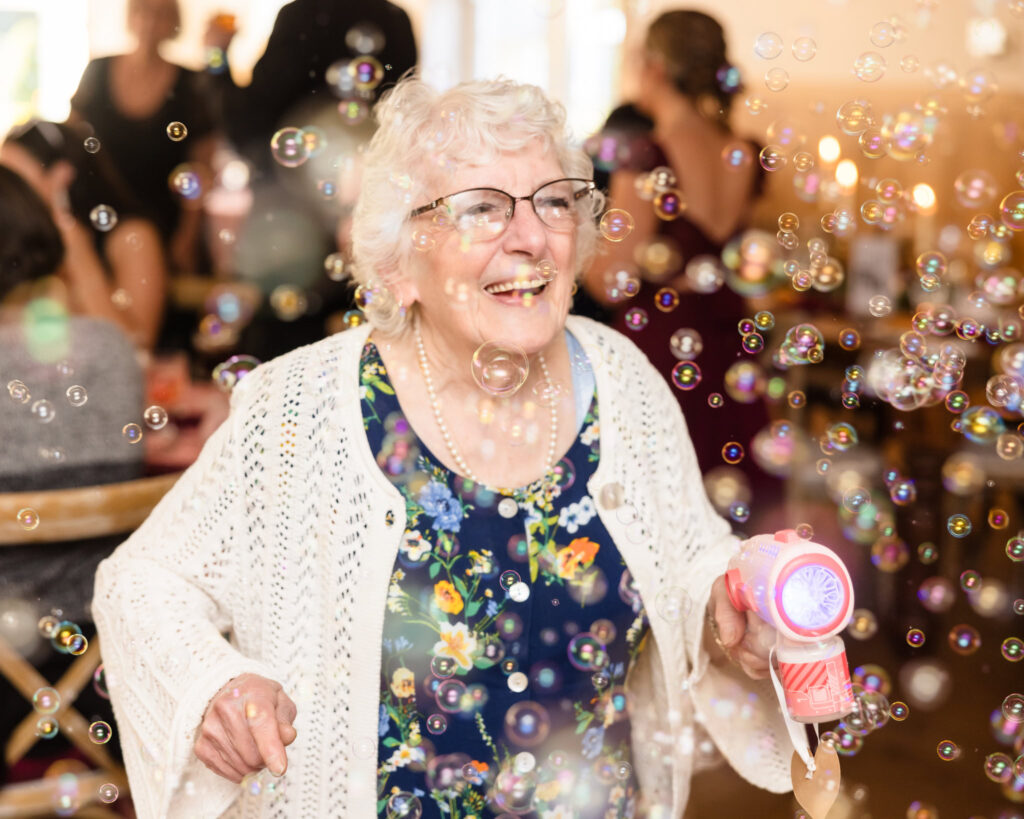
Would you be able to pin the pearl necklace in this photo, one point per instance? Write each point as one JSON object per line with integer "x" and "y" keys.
{"x": 446, "y": 435}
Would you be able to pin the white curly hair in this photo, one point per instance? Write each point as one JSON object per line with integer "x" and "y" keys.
{"x": 424, "y": 134}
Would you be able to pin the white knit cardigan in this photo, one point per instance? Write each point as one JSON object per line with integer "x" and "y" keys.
{"x": 283, "y": 536}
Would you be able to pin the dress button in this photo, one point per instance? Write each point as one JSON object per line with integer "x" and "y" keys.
{"x": 507, "y": 508}
{"x": 389, "y": 518}
{"x": 517, "y": 682}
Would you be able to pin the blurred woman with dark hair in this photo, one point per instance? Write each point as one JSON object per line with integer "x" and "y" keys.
{"x": 114, "y": 265}
{"x": 680, "y": 120}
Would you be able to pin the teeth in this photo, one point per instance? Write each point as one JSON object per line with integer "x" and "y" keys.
{"x": 508, "y": 286}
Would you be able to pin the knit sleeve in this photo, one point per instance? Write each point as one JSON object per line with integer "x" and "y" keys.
{"x": 162, "y": 603}
{"x": 741, "y": 715}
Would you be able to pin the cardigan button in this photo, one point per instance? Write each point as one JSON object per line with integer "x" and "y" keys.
{"x": 508, "y": 508}
{"x": 389, "y": 518}
{"x": 610, "y": 496}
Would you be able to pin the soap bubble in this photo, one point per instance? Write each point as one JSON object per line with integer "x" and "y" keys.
{"x": 776, "y": 79}
{"x": 108, "y": 793}
{"x": 636, "y": 319}
{"x": 686, "y": 375}
{"x": 915, "y": 638}
{"x": 91, "y": 145}
{"x": 964, "y": 639}
{"x": 883, "y": 34}
{"x": 999, "y": 767}
{"x": 366, "y": 72}
{"x": 936, "y": 594}
{"x": 863, "y": 624}
{"x": 76, "y": 395}
{"x": 1012, "y": 649}
{"x": 155, "y": 417}
{"x": 616, "y": 224}
{"x": 1013, "y": 707}
{"x": 879, "y": 306}
{"x": 1011, "y": 210}
{"x": 773, "y": 158}
{"x": 228, "y": 373}
{"x": 43, "y": 411}
{"x": 46, "y": 700}
{"x": 686, "y": 344}
{"x": 1015, "y": 548}
{"x": 666, "y": 299}
{"x": 176, "y": 131}
{"x": 909, "y": 63}
{"x": 737, "y": 155}
{"x": 103, "y": 217}
{"x": 869, "y": 66}
{"x": 789, "y": 222}
{"x": 948, "y": 750}
{"x": 732, "y": 452}
{"x": 932, "y": 263}
{"x": 803, "y": 161}
{"x": 849, "y": 339}
{"x": 705, "y": 274}
{"x": 132, "y": 433}
{"x": 768, "y": 45}
{"x": 804, "y": 49}
{"x": 288, "y": 147}
{"x": 974, "y": 188}
{"x": 959, "y": 525}
{"x": 970, "y": 580}
{"x": 500, "y": 369}
{"x": 668, "y": 205}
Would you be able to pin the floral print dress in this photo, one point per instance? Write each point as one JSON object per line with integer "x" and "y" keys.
{"x": 511, "y": 624}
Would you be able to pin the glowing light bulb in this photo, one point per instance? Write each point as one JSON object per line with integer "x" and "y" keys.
{"x": 923, "y": 196}
{"x": 828, "y": 149}
{"x": 846, "y": 174}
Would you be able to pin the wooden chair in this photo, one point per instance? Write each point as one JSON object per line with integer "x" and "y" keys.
{"x": 67, "y": 514}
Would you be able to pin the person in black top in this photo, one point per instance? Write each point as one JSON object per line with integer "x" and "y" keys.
{"x": 134, "y": 103}
{"x": 292, "y": 78}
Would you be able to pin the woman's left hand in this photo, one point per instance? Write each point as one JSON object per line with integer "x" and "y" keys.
{"x": 742, "y": 636}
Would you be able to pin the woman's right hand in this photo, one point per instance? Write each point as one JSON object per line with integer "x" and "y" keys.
{"x": 245, "y": 728}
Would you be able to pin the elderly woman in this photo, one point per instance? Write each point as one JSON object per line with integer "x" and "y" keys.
{"x": 462, "y": 554}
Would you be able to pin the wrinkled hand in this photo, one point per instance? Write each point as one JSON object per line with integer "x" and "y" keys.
{"x": 246, "y": 727}
{"x": 742, "y": 636}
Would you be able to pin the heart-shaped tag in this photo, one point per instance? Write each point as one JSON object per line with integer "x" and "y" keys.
{"x": 818, "y": 794}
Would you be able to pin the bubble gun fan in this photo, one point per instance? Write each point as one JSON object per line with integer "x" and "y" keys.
{"x": 803, "y": 591}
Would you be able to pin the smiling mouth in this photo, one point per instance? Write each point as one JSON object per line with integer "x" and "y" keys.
{"x": 515, "y": 289}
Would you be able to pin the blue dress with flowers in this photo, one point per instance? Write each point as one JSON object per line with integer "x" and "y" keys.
{"x": 511, "y": 624}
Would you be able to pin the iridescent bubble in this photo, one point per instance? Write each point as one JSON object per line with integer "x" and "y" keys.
{"x": 155, "y": 417}
{"x": 46, "y": 700}
{"x": 228, "y": 373}
{"x": 948, "y": 750}
{"x": 909, "y": 63}
{"x": 849, "y": 339}
{"x": 288, "y": 147}
{"x": 883, "y": 34}
{"x": 666, "y": 299}
{"x": 752, "y": 343}
{"x": 739, "y": 511}
{"x": 982, "y": 425}
{"x": 863, "y": 624}
{"x": 500, "y": 369}
{"x": 91, "y": 145}
{"x": 686, "y": 344}
{"x": 47, "y": 727}
{"x": 915, "y": 638}
{"x": 366, "y": 72}
{"x": 616, "y": 224}
{"x": 28, "y": 518}
{"x": 103, "y": 217}
{"x": 176, "y": 131}
{"x": 636, "y": 318}
{"x": 1013, "y": 707}
{"x": 869, "y": 66}
{"x": 899, "y": 710}
{"x": 974, "y": 188}
{"x": 669, "y": 205}
{"x": 76, "y": 395}
{"x": 803, "y": 161}
{"x": 185, "y": 182}
{"x": 1015, "y": 548}
{"x": 959, "y": 525}
{"x": 964, "y": 639}
{"x": 1011, "y": 210}
{"x": 879, "y": 306}
{"x": 768, "y": 45}
{"x": 873, "y": 143}
{"x": 732, "y": 452}
{"x": 737, "y": 155}
{"x": 772, "y": 158}
{"x": 903, "y": 492}
{"x": 970, "y": 580}
{"x": 686, "y": 375}
{"x": 789, "y": 222}
{"x": 999, "y": 767}
{"x": 1012, "y": 649}
{"x": 715, "y": 400}
{"x": 998, "y": 518}
{"x": 43, "y": 411}
{"x": 745, "y": 382}
{"x": 927, "y": 553}
{"x": 132, "y": 433}
{"x": 889, "y": 554}
{"x": 776, "y": 79}
{"x": 804, "y": 49}
{"x": 107, "y": 793}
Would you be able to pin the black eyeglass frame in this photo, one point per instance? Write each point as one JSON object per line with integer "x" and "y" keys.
{"x": 588, "y": 189}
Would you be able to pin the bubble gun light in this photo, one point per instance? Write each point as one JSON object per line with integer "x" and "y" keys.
{"x": 803, "y": 591}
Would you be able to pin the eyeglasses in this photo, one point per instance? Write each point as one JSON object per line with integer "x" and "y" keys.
{"x": 480, "y": 214}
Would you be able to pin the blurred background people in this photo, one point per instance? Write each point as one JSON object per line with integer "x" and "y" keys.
{"x": 73, "y": 382}
{"x": 114, "y": 264}
{"x": 680, "y": 121}
{"x": 152, "y": 120}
